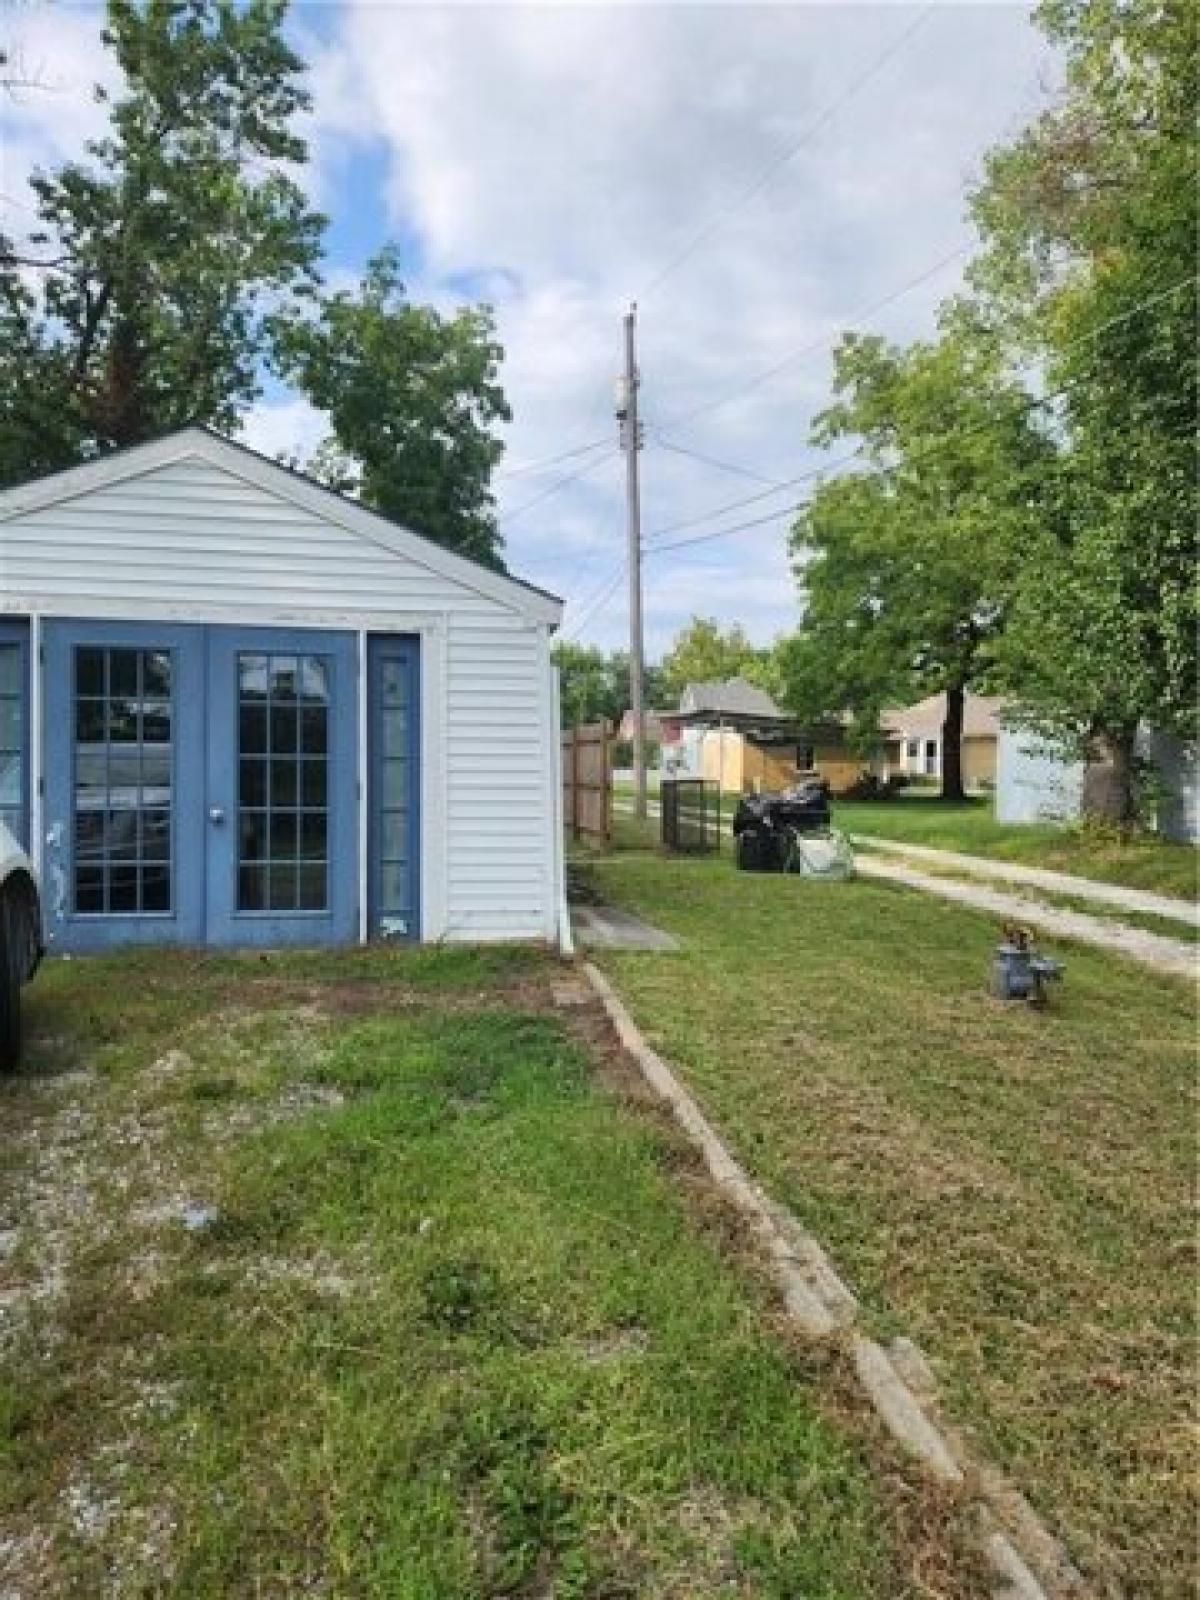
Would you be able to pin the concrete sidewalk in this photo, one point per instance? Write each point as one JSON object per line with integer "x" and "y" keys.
{"x": 607, "y": 928}
{"x": 1109, "y": 894}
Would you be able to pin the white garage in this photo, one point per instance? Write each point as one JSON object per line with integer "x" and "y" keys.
{"x": 237, "y": 708}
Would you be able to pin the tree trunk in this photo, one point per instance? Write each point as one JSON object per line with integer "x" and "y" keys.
{"x": 1107, "y": 794}
{"x": 952, "y": 730}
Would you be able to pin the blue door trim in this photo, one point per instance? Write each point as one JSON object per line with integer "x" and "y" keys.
{"x": 204, "y": 775}
{"x": 338, "y": 924}
{"x": 16, "y": 631}
{"x": 398, "y": 919}
{"x": 184, "y": 923}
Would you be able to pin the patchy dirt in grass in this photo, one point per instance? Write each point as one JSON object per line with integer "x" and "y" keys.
{"x": 108, "y": 1181}
{"x": 109, "y": 1196}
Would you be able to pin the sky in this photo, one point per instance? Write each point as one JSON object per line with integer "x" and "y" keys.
{"x": 756, "y": 178}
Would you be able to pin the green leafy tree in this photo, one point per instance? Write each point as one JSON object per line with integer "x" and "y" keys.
{"x": 595, "y": 683}
{"x": 702, "y": 653}
{"x": 412, "y": 397}
{"x": 1090, "y": 225}
{"x": 907, "y": 564}
{"x": 157, "y": 255}
{"x": 589, "y": 688}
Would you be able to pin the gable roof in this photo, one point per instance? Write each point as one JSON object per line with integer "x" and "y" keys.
{"x": 288, "y": 484}
{"x": 735, "y": 697}
{"x": 980, "y": 717}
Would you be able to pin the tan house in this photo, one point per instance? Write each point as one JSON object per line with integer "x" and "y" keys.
{"x": 735, "y": 734}
{"x": 913, "y": 740}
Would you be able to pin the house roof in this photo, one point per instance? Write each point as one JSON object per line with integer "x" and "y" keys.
{"x": 654, "y": 722}
{"x": 924, "y": 719}
{"x": 288, "y": 484}
{"x": 735, "y": 697}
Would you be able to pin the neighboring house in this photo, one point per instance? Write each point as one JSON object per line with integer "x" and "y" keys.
{"x": 660, "y": 727}
{"x": 913, "y": 739}
{"x": 240, "y": 709}
{"x": 734, "y": 732}
{"x": 1036, "y": 784}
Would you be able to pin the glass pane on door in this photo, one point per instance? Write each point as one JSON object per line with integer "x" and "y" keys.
{"x": 123, "y": 782}
{"x": 12, "y": 765}
{"x": 394, "y": 789}
{"x": 283, "y": 800}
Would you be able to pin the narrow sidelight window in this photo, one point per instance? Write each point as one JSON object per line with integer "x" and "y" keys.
{"x": 12, "y": 729}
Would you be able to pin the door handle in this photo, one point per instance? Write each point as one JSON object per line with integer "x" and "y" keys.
{"x": 216, "y": 814}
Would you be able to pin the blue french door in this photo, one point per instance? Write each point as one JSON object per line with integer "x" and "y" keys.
{"x": 124, "y": 784}
{"x": 394, "y": 879}
{"x": 282, "y": 787}
{"x": 200, "y": 785}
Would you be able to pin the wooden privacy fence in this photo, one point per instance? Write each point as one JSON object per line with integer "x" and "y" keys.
{"x": 587, "y": 781}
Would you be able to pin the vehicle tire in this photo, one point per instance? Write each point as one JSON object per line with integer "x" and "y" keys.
{"x": 12, "y": 947}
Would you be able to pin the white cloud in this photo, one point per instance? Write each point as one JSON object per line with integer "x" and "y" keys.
{"x": 57, "y": 52}
{"x": 565, "y": 153}
{"x": 288, "y": 428}
{"x": 558, "y": 156}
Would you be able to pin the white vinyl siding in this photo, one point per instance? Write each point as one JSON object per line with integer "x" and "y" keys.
{"x": 497, "y": 882}
{"x": 192, "y": 533}
{"x": 194, "y": 538}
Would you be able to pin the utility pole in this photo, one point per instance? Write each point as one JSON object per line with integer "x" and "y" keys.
{"x": 631, "y": 443}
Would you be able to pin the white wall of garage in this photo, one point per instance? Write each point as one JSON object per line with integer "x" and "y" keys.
{"x": 193, "y": 528}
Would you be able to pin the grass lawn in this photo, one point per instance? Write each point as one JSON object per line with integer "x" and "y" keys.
{"x": 1010, "y": 1187}
{"x": 970, "y": 827}
{"x": 921, "y": 818}
{"x": 369, "y": 1275}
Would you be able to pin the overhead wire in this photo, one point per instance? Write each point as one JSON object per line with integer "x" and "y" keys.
{"x": 778, "y": 162}
{"x": 525, "y": 468}
{"x": 712, "y": 461}
{"x": 597, "y": 601}
{"x": 821, "y": 343}
{"x": 1034, "y": 402}
{"x": 557, "y": 485}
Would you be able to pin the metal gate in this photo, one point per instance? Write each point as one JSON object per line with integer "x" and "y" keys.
{"x": 691, "y": 815}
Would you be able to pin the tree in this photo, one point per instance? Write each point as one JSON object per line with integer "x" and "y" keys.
{"x": 595, "y": 683}
{"x": 156, "y": 256}
{"x": 1090, "y": 223}
{"x": 412, "y": 396}
{"x": 907, "y": 564}
{"x": 701, "y": 653}
{"x": 590, "y": 687}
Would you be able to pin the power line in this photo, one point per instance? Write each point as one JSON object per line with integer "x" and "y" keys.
{"x": 597, "y": 601}
{"x": 789, "y": 483}
{"x": 1032, "y": 403}
{"x": 732, "y": 505}
{"x": 773, "y": 371}
{"x": 559, "y": 483}
{"x": 757, "y": 522}
{"x": 550, "y": 461}
{"x": 712, "y": 461}
{"x": 777, "y": 163}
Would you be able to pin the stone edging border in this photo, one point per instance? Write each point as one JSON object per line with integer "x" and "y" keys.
{"x": 1027, "y": 1561}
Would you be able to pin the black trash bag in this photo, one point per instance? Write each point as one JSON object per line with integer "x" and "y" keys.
{"x": 765, "y": 825}
{"x": 757, "y": 849}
